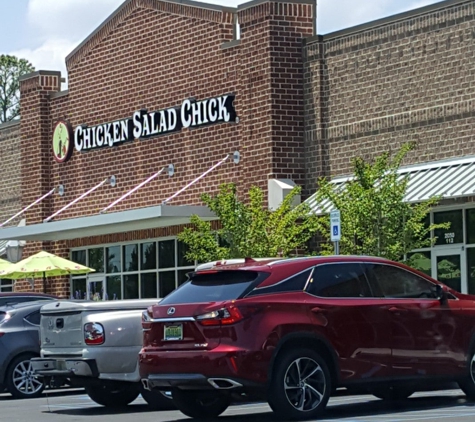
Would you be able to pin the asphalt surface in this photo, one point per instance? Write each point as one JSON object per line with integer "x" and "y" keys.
{"x": 69, "y": 406}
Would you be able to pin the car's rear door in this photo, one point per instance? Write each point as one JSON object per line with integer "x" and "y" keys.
{"x": 355, "y": 321}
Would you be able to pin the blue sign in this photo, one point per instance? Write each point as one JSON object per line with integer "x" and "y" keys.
{"x": 335, "y": 226}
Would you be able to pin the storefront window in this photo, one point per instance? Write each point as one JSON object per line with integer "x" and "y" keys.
{"x": 420, "y": 261}
{"x": 113, "y": 259}
{"x": 182, "y": 249}
{"x": 148, "y": 285}
{"x": 454, "y": 234}
{"x": 182, "y": 276}
{"x": 79, "y": 257}
{"x": 131, "y": 286}
{"x": 470, "y": 226}
{"x": 137, "y": 270}
{"x": 96, "y": 259}
{"x": 166, "y": 254}
{"x": 131, "y": 257}
{"x": 149, "y": 255}
{"x": 114, "y": 291}
{"x": 471, "y": 270}
{"x": 78, "y": 289}
{"x": 166, "y": 282}
{"x": 6, "y": 285}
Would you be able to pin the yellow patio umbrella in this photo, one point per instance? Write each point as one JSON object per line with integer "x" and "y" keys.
{"x": 43, "y": 264}
{"x": 4, "y": 264}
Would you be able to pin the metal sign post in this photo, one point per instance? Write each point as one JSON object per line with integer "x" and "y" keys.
{"x": 335, "y": 229}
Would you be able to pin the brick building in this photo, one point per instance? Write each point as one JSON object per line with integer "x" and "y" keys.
{"x": 180, "y": 87}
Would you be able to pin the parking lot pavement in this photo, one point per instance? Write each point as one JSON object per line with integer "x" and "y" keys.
{"x": 75, "y": 406}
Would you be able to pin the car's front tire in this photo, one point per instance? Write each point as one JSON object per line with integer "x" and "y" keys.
{"x": 113, "y": 395}
{"x": 21, "y": 381}
{"x": 200, "y": 404}
{"x": 467, "y": 385}
{"x": 300, "y": 385}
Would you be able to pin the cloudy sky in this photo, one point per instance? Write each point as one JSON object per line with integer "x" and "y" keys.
{"x": 46, "y": 31}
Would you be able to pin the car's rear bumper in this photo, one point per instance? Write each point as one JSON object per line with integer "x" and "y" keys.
{"x": 65, "y": 367}
{"x": 210, "y": 369}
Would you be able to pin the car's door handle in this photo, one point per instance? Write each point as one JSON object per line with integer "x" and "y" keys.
{"x": 318, "y": 310}
{"x": 396, "y": 310}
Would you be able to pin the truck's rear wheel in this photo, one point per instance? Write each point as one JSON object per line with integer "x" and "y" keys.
{"x": 118, "y": 395}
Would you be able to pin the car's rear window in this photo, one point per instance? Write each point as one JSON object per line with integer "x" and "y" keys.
{"x": 214, "y": 287}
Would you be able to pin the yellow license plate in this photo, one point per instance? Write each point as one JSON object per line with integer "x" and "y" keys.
{"x": 173, "y": 332}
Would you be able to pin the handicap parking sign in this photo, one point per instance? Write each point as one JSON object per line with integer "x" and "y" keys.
{"x": 335, "y": 225}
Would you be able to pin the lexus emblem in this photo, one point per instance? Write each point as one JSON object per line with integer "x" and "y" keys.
{"x": 171, "y": 311}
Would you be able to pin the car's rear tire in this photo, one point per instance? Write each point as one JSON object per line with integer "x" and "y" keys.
{"x": 467, "y": 385}
{"x": 21, "y": 381}
{"x": 200, "y": 404}
{"x": 158, "y": 400}
{"x": 113, "y": 395}
{"x": 392, "y": 392}
{"x": 300, "y": 385}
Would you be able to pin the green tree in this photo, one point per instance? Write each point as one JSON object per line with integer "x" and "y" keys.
{"x": 375, "y": 219}
{"x": 11, "y": 69}
{"x": 248, "y": 229}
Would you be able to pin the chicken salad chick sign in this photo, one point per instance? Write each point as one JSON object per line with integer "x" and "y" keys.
{"x": 142, "y": 125}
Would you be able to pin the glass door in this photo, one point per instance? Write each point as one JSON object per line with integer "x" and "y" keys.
{"x": 449, "y": 267}
{"x": 95, "y": 287}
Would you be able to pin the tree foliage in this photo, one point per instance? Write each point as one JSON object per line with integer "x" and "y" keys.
{"x": 11, "y": 69}
{"x": 375, "y": 219}
{"x": 248, "y": 229}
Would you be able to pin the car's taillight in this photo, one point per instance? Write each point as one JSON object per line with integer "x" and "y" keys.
{"x": 146, "y": 319}
{"x": 94, "y": 333}
{"x": 2, "y": 334}
{"x": 224, "y": 316}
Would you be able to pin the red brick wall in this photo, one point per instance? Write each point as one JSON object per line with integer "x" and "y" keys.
{"x": 10, "y": 159}
{"x": 154, "y": 54}
{"x": 406, "y": 78}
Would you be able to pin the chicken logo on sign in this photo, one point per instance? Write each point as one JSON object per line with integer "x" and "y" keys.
{"x": 62, "y": 141}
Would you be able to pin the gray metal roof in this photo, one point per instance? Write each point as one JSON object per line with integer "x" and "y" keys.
{"x": 453, "y": 178}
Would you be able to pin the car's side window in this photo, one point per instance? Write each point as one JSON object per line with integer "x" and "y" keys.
{"x": 34, "y": 318}
{"x": 292, "y": 284}
{"x": 340, "y": 280}
{"x": 395, "y": 282}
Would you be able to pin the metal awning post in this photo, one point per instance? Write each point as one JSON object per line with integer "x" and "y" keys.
{"x": 108, "y": 179}
{"x": 29, "y": 206}
{"x": 195, "y": 180}
{"x": 134, "y": 189}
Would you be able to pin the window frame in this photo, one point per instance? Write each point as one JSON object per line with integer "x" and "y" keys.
{"x": 139, "y": 272}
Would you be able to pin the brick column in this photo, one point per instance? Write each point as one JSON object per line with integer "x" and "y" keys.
{"x": 272, "y": 90}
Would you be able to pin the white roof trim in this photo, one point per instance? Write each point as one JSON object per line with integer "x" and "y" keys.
{"x": 118, "y": 222}
{"x": 453, "y": 178}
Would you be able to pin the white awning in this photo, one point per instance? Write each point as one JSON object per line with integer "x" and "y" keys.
{"x": 118, "y": 222}
{"x": 449, "y": 178}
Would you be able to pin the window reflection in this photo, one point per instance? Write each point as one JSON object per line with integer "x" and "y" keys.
{"x": 113, "y": 259}
{"x": 131, "y": 257}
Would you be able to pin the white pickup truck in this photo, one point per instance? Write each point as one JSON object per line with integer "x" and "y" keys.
{"x": 95, "y": 345}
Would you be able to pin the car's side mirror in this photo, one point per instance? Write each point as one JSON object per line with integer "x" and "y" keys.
{"x": 441, "y": 294}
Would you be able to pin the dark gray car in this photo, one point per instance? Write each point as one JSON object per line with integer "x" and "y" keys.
{"x": 19, "y": 342}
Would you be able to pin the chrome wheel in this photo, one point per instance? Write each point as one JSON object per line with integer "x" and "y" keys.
{"x": 472, "y": 368}
{"x": 305, "y": 384}
{"x": 24, "y": 379}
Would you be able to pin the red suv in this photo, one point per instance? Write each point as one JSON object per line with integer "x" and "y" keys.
{"x": 292, "y": 330}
